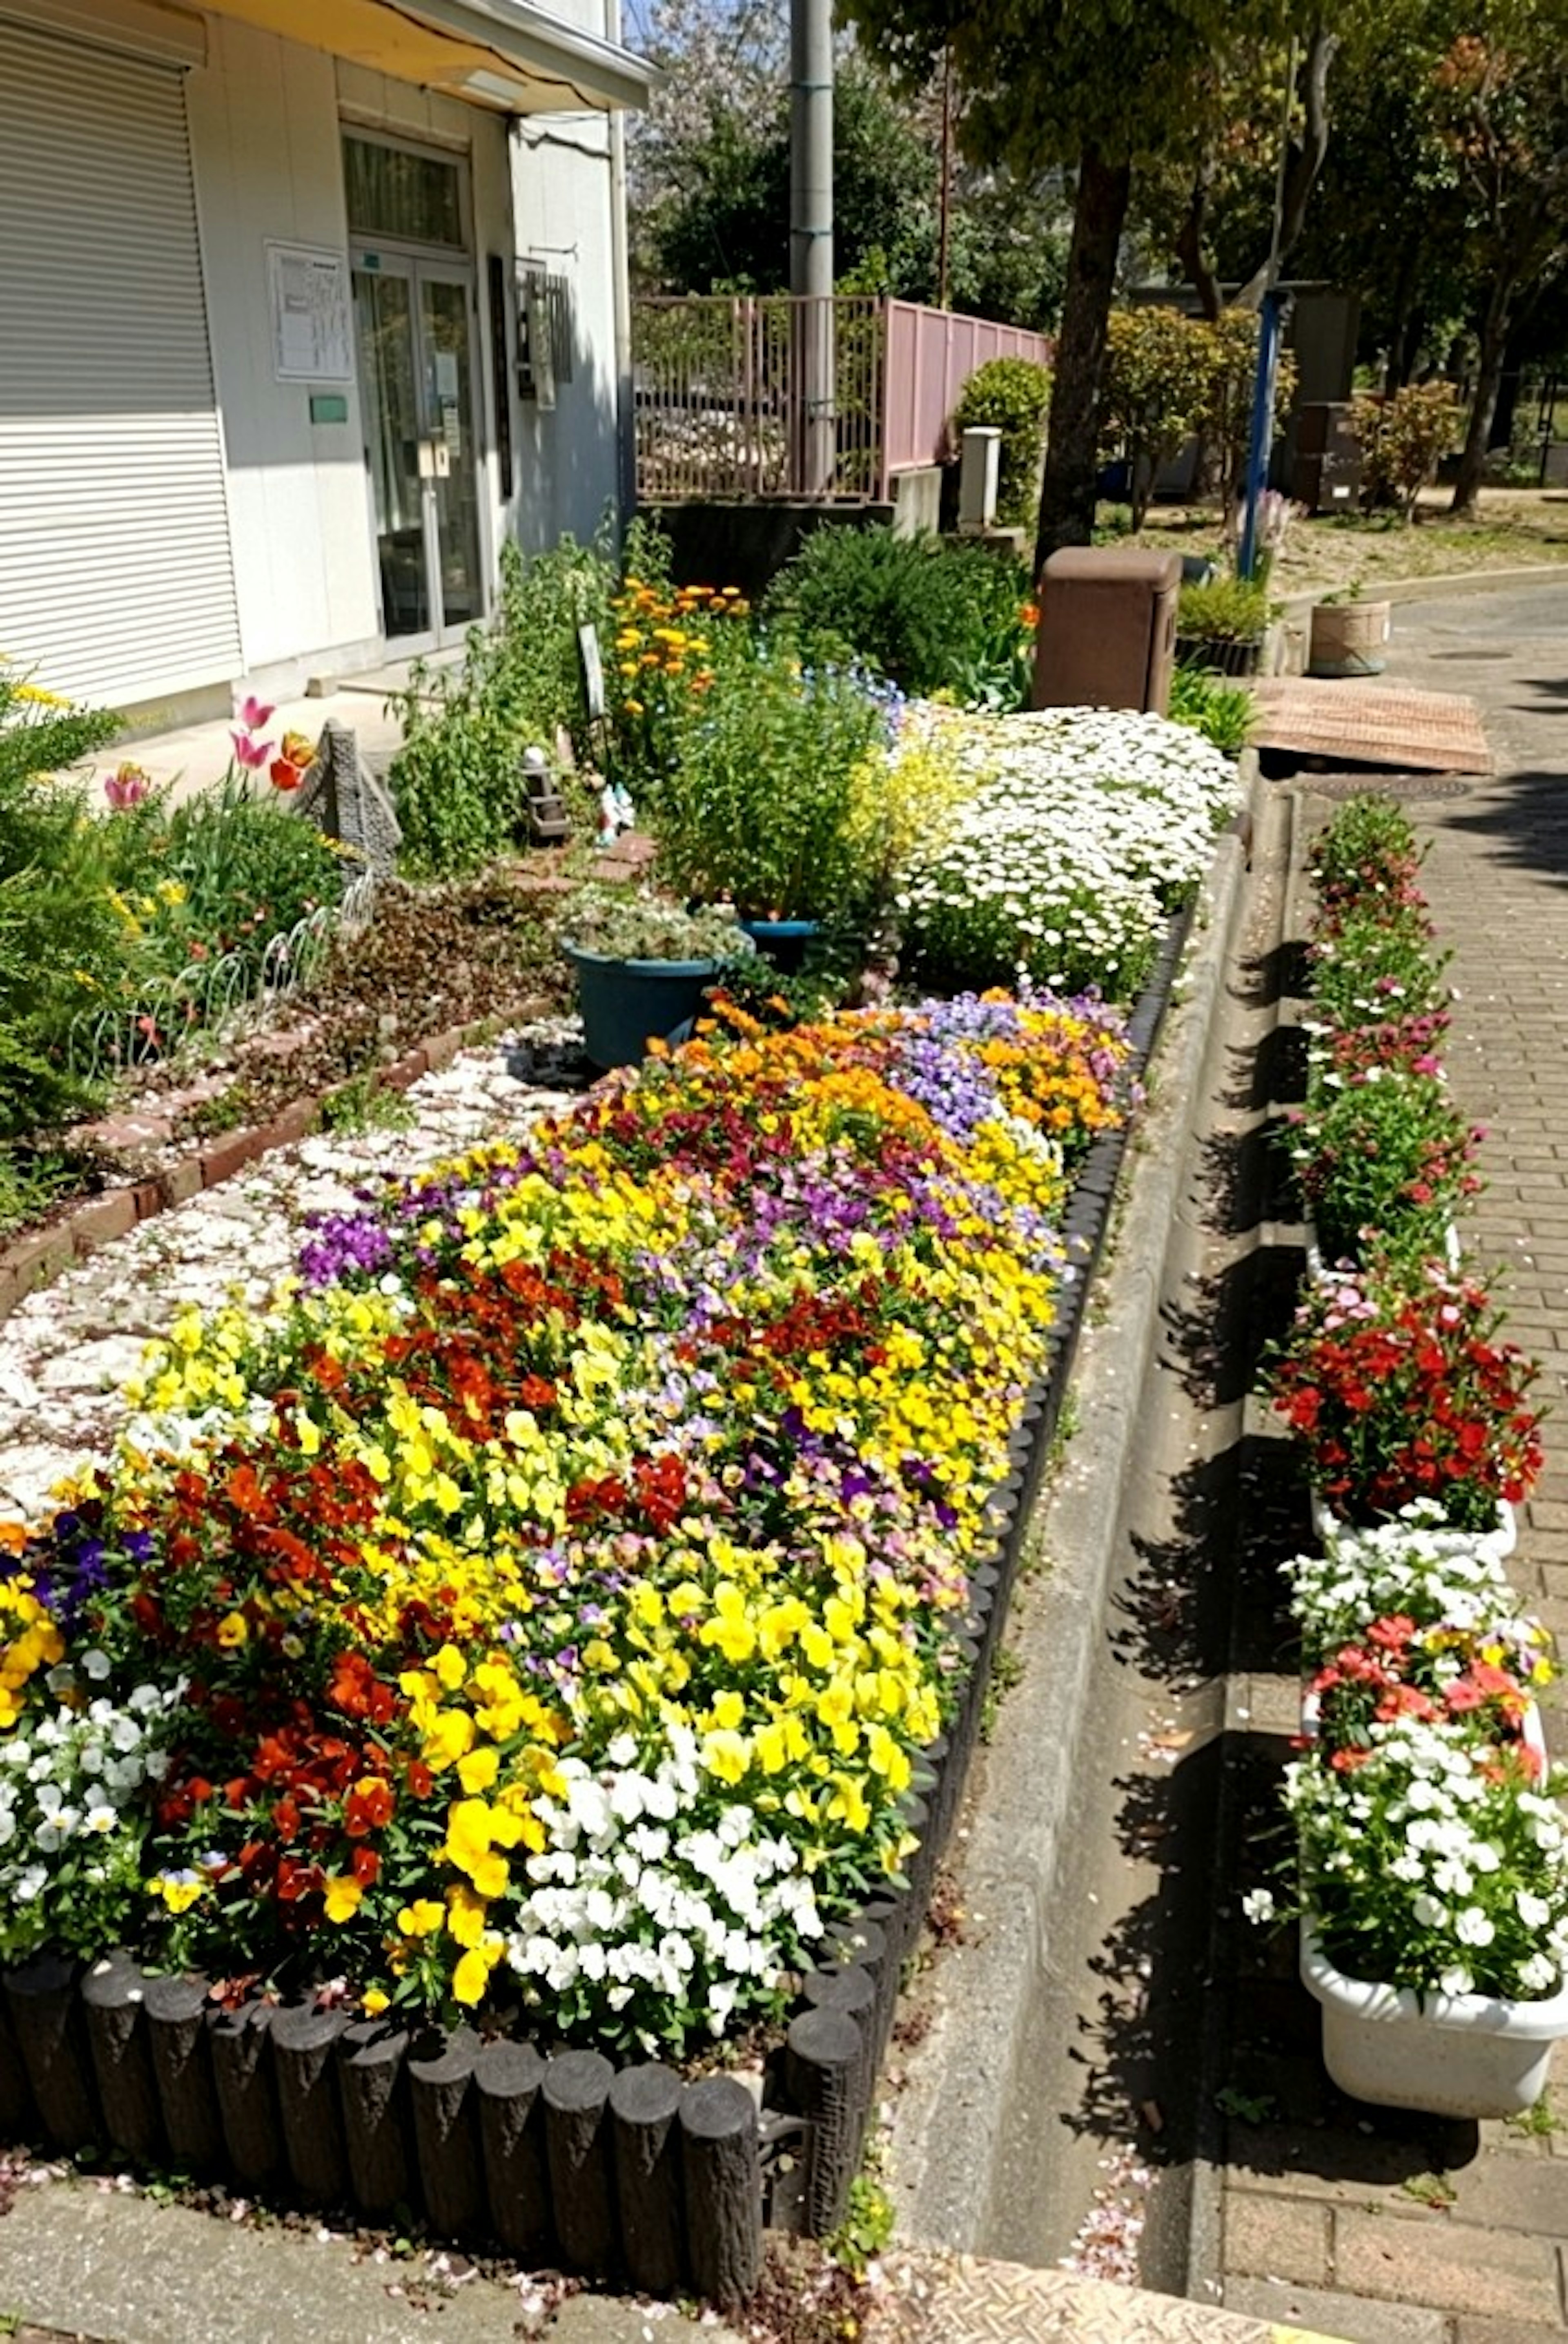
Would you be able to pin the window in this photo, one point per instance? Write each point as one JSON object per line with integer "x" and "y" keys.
{"x": 394, "y": 192}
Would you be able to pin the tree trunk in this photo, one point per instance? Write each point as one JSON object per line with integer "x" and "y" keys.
{"x": 1192, "y": 248}
{"x": 1304, "y": 159}
{"x": 1072, "y": 448}
{"x": 1488, "y": 377}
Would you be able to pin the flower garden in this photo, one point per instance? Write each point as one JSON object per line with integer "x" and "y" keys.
{"x": 1431, "y": 1859}
{"x": 560, "y": 1616}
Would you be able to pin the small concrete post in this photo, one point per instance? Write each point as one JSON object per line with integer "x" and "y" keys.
{"x": 980, "y": 471}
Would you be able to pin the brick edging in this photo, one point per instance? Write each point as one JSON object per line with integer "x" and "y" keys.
{"x": 37, "y": 1259}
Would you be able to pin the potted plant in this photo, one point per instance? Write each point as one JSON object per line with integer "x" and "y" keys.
{"x": 642, "y": 964}
{"x": 1349, "y": 634}
{"x": 1431, "y": 1874}
{"x": 1394, "y": 1381}
{"x": 1383, "y": 1160}
{"x": 1220, "y": 625}
{"x": 1432, "y": 1895}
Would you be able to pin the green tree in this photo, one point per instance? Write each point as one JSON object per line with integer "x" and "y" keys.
{"x": 1502, "y": 103}
{"x": 1102, "y": 86}
{"x": 716, "y": 209}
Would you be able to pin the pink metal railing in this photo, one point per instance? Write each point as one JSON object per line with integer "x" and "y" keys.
{"x": 931, "y": 355}
{"x": 719, "y": 404}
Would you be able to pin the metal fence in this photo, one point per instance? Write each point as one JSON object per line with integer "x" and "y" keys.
{"x": 723, "y": 391}
{"x": 237, "y": 991}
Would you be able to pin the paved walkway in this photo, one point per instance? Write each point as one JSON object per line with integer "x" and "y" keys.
{"x": 1389, "y": 2229}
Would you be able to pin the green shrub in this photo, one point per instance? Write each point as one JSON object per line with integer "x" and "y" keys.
{"x": 1013, "y": 394}
{"x": 1401, "y": 438}
{"x": 1223, "y": 712}
{"x": 931, "y": 615}
{"x": 763, "y": 807}
{"x": 1157, "y": 377}
{"x": 58, "y": 931}
{"x": 454, "y": 779}
{"x": 1225, "y": 611}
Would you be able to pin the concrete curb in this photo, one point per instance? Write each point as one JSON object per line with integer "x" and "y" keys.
{"x": 948, "y": 2148}
{"x": 1436, "y": 589}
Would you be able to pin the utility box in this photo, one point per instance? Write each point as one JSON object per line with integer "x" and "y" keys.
{"x": 1326, "y": 473}
{"x": 1107, "y": 635}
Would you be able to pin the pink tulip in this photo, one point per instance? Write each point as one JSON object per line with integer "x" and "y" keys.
{"x": 126, "y": 786}
{"x": 249, "y": 750}
{"x": 253, "y": 713}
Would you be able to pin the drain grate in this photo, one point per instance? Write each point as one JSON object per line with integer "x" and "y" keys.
{"x": 1384, "y": 786}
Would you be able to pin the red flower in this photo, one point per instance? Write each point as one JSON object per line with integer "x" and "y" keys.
{"x": 369, "y": 1807}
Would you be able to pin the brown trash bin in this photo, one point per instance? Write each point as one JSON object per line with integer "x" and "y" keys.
{"x": 1107, "y": 635}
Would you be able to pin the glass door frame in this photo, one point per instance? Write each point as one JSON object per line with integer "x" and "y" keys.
{"x": 418, "y": 267}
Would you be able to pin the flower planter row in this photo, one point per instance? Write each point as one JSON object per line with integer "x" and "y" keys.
{"x": 556, "y": 2155}
{"x": 1457, "y": 2054}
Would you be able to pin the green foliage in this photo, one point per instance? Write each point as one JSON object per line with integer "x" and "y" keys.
{"x": 1224, "y": 414}
{"x": 31, "y": 1179}
{"x": 931, "y": 615}
{"x": 455, "y": 780}
{"x": 364, "y": 1103}
{"x": 1012, "y": 394}
{"x": 1157, "y": 381}
{"x": 762, "y": 807}
{"x": 227, "y": 873}
{"x": 714, "y": 224}
{"x": 631, "y": 923}
{"x": 867, "y": 2226}
{"x": 1401, "y": 438}
{"x": 58, "y": 932}
{"x": 1223, "y": 712}
{"x": 1226, "y": 611}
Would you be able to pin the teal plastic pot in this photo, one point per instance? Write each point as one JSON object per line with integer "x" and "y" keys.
{"x": 784, "y": 942}
{"x": 627, "y": 1003}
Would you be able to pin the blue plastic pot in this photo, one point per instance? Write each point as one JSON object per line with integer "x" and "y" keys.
{"x": 784, "y": 942}
{"x": 627, "y": 1003}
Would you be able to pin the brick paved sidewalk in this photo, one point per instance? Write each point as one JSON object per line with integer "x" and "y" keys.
{"x": 1379, "y": 2226}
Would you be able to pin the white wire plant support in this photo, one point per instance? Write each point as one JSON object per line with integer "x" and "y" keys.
{"x": 240, "y": 993}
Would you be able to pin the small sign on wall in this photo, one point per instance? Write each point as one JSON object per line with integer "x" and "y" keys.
{"x": 312, "y": 325}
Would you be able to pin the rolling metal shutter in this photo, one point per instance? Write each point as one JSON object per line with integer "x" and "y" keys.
{"x": 116, "y": 579}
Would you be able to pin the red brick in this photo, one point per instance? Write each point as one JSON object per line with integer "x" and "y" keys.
{"x": 229, "y": 1156}
{"x": 149, "y": 1199}
{"x": 289, "y": 1127}
{"x": 182, "y": 1181}
{"x": 442, "y": 1049}
{"x": 35, "y": 1259}
{"x": 404, "y": 1070}
{"x": 1451, "y": 2266}
{"x": 1276, "y": 2237}
{"x": 102, "y": 1219}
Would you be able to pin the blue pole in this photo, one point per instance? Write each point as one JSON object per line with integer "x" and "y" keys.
{"x": 1268, "y": 337}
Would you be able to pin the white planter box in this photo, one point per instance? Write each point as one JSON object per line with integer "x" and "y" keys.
{"x": 1447, "y": 2054}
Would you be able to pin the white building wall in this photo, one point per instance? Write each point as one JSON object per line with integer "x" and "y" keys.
{"x": 267, "y": 120}
{"x": 568, "y": 464}
{"x": 265, "y": 151}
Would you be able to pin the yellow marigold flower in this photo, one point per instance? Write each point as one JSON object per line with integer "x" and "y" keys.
{"x": 373, "y": 2002}
{"x": 233, "y": 1631}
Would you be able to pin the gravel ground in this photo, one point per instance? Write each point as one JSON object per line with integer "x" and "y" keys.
{"x": 66, "y": 1350}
